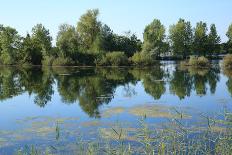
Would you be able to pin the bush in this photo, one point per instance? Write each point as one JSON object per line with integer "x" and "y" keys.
{"x": 61, "y": 61}
{"x": 227, "y": 61}
{"x": 141, "y": 58}
{"x": 113, "y": 58}
{"x": 47, "y": 61}
{"x": 200, "y": 62}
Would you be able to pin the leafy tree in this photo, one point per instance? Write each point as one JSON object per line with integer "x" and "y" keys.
{"x": 181, "y": 36}
{"x": 229, "y": 33}
{"x": 31, "y": 54}
{"x": 89, "y": 29}
{"x": 141, "y": 59}
{"x": 229, "y": 43}
{"x": 10, "y": 45}
{"x": 128, "y": 43}
{"x": 42, "y": 39}
{"x": 213, "y": 40}
{"x": 68, "y": 42}
{"x": 200, "y": 39}
{"x": 154, "y": 35}
{"x": 107, "y": 38}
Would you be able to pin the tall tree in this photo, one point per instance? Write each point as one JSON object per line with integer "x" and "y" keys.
{"x": 229, "y": 33}
{"x": 229, "y": 43}
{"x": 10, "y": 45}
{"x": 68, "y": 41}
{"x": 213, "y": 40}
{"x": 31, "y": 54}
{"x": 154, "y": 35}
{"x": 200, "y": 39}
{"x": 181, "y": 37}
{"x": 89, "y": 29}
{"x": 41, "y": 37}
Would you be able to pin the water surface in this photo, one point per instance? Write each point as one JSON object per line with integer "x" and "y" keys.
{"x": 85, "y": 102}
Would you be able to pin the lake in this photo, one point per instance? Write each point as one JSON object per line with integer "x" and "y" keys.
{"x": 56, "y": 108}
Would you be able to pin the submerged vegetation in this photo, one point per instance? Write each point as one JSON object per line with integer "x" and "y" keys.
{"x": 92, "y": 43}
{"x": 212, "y": 135}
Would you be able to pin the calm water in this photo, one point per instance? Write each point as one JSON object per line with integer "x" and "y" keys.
{"x": 85, "y": 102}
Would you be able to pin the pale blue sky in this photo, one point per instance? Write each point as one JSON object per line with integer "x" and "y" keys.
{"x": 120, "y": 15}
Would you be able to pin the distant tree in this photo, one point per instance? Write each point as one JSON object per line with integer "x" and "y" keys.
{"x": 181, "y": 37}
{"x": 107, "y": 38}
{"x": 10, "y": 45}
{"x": 229, "y": 43}
{"x": 89, "y": 29}
{"x": 200, "y": 39}
{"x": 42, "y": 39}
{"x": 31, "y": 54}
{"x": 68, "y": 42}
{"x": 154, "y": 35}
{"x": 213, "y": 40}
{"x": 128, "y": 43}
{"x": 229, "y": 33}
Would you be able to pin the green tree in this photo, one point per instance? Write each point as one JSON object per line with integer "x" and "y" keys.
{"x": 229, "y": 43}
{"x": 154, "y": 35}
{"x": 42, "y": 39}
{"x": 10, "y": 45}
{"x": 200, "y": 39}
{"x": 129, "y": 43}
{"x": 31, "y": 54}
{"x": 89, "y": 29}
{"x": 213, "y": 40}
{"x": 181, "y": 37}
{"x": 68, "y": 42}
{"x": 229, "y": 33}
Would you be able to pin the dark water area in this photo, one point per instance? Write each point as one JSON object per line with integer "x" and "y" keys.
{"x": 87, "y": 102}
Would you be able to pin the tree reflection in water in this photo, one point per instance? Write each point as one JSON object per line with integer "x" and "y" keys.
{"x": 93, "y": 87}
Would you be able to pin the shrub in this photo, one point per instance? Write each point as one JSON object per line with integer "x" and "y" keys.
{"x": 113, "y": 58}
{"x": 197, "y": 62}
{"x": 7, "y": 59}
{"x": 141, "y": 58}
{"x": 227, "y": 61}
{"x": 47, "y": 61}
{"x": 61, "y": 61}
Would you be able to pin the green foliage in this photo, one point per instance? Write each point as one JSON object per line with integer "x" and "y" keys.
{"x": 48, "y": 60}
{"x": 115, "y": 58}
{"x": 181, "y": 37}
{"x": 128, "y": 43}
{"x": 31, "y": 54}
{"x": 141, "y": 58}
{"x": 42, "y": 39}
{"x": 68, "y": 42}
{"x": 88, "y": 43}
{"x": 10, "y": 45}
{"x": 154, "y": 35}
{"x": 200, "y": 39}
{"x": 227, "y": 61}
{"x": 62, "y": 61}
{"x": 198, "y": 61}
{"x": 229, "y": 33}
{"x": 229, "y": 43}
{"x": 89, "y": 28}
{"x": 213, "y": 41}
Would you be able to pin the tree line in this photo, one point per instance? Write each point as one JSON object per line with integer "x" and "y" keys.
{"x": 92, "y": 42}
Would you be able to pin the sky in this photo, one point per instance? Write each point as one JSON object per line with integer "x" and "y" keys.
{"x": 120, "y": 15}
